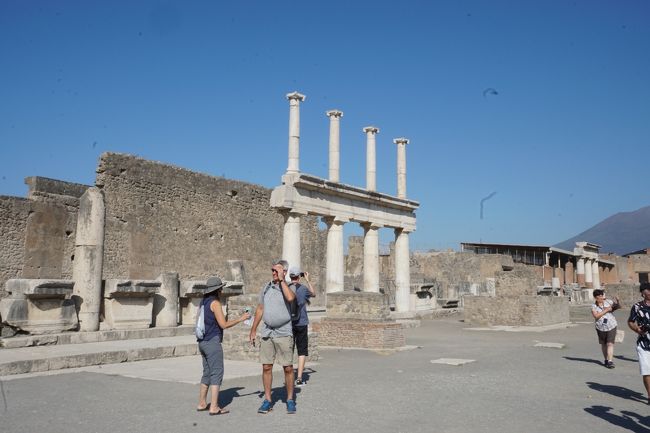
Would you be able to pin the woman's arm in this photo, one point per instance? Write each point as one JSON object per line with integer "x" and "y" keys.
{"x": 597, "y": 315}
{"x": 215, "y": 306}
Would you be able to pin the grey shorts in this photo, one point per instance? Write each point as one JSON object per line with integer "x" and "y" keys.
{"x": 606, "y": 336}
{"x": 277, "y": 349}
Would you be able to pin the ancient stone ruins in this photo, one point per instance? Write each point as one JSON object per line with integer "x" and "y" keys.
{"x": 134, "y": 251}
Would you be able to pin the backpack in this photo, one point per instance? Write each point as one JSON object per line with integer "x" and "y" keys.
{"x": 292, "y": 306}
{"x": 199, "y": 329}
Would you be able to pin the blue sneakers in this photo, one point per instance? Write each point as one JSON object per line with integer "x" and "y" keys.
{"x": 291, "y": 406}
{"x": 267, "y": 407}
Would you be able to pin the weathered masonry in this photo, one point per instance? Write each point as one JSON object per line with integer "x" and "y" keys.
{"x": 337, "y": 204}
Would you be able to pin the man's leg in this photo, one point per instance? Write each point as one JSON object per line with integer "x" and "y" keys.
{"x": 288, "y": 380}
{"x": 301, "y": 365}
{"x": 267, "y": 380}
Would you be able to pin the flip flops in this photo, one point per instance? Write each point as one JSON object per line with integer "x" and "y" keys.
{"x": 221, "y": 411}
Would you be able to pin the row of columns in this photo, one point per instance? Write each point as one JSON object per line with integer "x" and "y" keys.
{"x": 335, "y": 269}
{"x": 587, "y": 273}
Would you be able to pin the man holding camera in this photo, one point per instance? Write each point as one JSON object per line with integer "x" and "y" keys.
{"x": 639, "y": 322}
{"x": 301, "y": 324}
{"x": 276, "y": 343}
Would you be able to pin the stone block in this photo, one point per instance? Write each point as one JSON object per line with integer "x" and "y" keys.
{"x": 39, "y": 306}
{"x": 128, "y": 304}
{"x": 358, "y": 305}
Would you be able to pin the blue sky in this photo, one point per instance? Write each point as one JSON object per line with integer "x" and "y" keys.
{"x": 563, "y": 141}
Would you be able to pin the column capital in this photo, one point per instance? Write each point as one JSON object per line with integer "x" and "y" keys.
{"x": 371, "y": 129}
{"x": 401, "y": 140}
{"x": 335, "y": 220}
{"x": 296, "y": 96}
{"x": 371, "y": 226}
{"x": 334, "y": 113}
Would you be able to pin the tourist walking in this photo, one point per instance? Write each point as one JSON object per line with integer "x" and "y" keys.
{"x": 210, "y": 346}
{"x": 301, "y": 324}
{"x": 276, "y": 344}
{"x": 639, "y": 322}
{"x": 606, "y": 325}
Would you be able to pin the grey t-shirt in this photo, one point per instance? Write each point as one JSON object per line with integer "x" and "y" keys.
{"x": 276, "y": 321}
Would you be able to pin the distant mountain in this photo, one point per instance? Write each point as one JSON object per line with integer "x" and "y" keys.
{"x": 622, "y": 233}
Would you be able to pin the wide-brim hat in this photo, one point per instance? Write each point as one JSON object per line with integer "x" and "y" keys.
{"x": 214, "y": 283}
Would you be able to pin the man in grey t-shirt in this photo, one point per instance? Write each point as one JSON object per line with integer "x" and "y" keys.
{"x": 277, "y": 335}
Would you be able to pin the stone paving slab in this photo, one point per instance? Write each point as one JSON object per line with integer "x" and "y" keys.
{"x": 93, "y": 337}
{"x": 452, "y": 361}
{"x": 550, "y": 345}
{"x": 524, "y": 328}
{"x": 45, "y": 358}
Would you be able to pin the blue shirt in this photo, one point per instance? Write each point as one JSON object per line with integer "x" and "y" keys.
{"x": 302, "y": 298}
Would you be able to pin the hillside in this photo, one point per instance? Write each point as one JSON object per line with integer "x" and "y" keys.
{"x": 621, "y": 233}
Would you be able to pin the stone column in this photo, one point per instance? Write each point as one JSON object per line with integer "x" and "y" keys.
{"x": 595, "y": 275}
{"x": 291, "y": 238}
{"x": 580, "y": 271}
{"x": 335, "y": 154}
{"x": 165, "y": 302}
{"x": 370, "y": 257}
{"x": 402, "y": 271}
{"x": 89, "y": 258}
{"x": 589, "y": 282}
{"x": 335, "y": 267}
{"x": 294, "y": 131}
{"x": 401, "y": 166}
{"x": 371, "y": 158}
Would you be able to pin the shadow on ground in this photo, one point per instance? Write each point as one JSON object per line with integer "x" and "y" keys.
{"x": 618, "y": 391}
{"x": 628, "y": 420}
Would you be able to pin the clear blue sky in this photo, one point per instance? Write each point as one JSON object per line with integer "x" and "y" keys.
{"x": 563, "y": 139}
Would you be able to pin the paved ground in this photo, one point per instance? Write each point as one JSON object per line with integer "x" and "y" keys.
{"x": 512, "y": 386}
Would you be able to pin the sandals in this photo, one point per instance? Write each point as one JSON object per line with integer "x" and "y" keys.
{"x": 221, "y": 411}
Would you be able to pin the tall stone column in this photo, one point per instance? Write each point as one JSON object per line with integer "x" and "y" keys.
{"x": 165, "y": 302}
{"x": 589, "y": 281}
{"x": 580, "y": 271}
{"x": 371, "y": 157}
{"x": 295, "y": 99}
{"x": 89, "y": 258}
{"x": 401, "y": 166}
{"x": 291, "y": 238}
{"x": 335, "y": 154}
{"x": 402, "y": 271}
{"x": 370, "y": 258}
{"x": 335, "y": 266}
{"x": 595, "y": 274}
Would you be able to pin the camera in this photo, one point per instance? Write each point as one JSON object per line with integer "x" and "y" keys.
{"x": 302, "y": 275}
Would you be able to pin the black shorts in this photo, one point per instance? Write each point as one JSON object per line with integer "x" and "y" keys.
{"x": 301, "y": 339}
{"x": 605, "y": 337}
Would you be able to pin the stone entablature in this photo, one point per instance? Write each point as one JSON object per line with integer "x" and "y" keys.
{"x": 39, "y": 306}
{"x": 307, "y": 194}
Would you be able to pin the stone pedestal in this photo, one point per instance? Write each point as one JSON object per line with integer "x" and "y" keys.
{"x": 39, "y": 306}
{"x": 128, "y": 304}
{"x": 361, "y": 320}
{"x": 165, "y": 302}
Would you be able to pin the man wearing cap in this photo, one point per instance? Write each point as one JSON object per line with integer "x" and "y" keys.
{"x": 639, "y": 322}
{"x": 276, "y": 344}
{"x": 301, "y": 324}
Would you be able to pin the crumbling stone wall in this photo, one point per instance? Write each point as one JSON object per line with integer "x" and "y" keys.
{"x": 161, "y": 218}
{"x": 38, "y": 232}
{"x": 13, "y": 221}
{"x": 455, "y": 272}
{"x": 516, "y": 302}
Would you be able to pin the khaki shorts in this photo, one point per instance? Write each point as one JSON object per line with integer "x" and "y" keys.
{"x": 278, "y": 349}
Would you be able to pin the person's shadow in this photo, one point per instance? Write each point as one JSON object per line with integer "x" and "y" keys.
{"x": 588, "y": 360}
{"x": 624, "y": 358}
{"x": 226, "y": 396}
{"x": 629, "y": 420}
{"x": 618, "y": 391}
